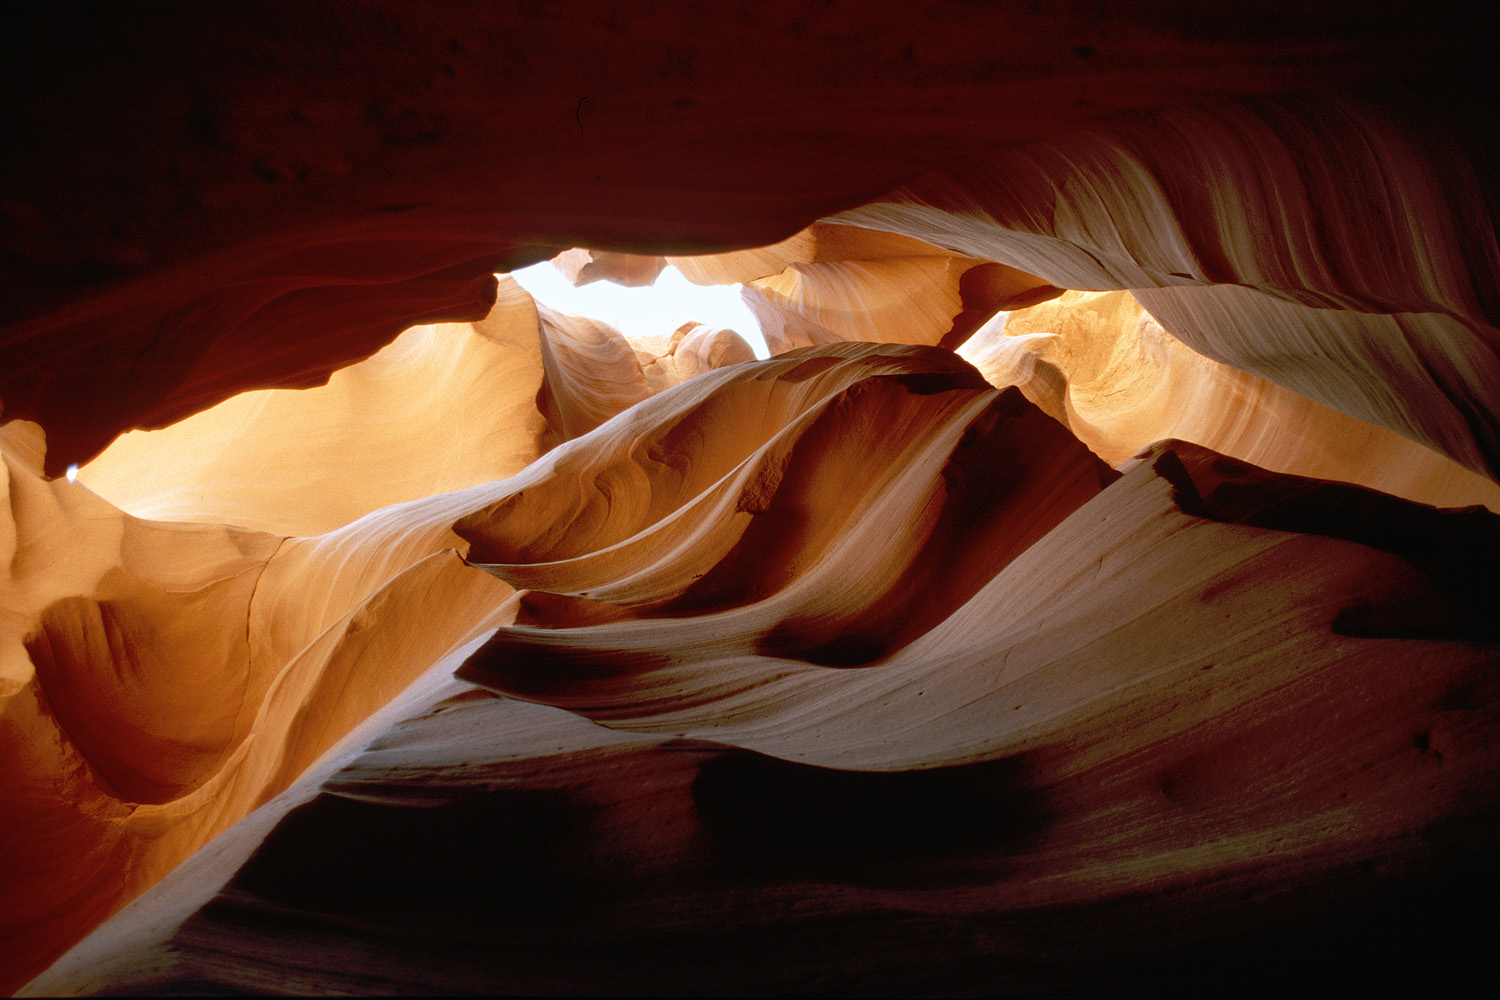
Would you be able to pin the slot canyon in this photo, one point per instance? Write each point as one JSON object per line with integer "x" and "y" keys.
{"x": 1094, "y": 593}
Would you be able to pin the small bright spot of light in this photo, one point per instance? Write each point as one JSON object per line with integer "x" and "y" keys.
{"x": 73, "y": 472}
{"x": 653, "y": 311}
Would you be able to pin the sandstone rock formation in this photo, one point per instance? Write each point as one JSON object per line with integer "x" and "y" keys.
{"x": 164, "y": 677}
{"x": 1043, "y": 688}
{"x": 443, "y": 407}
{"x": 830, "y": 283}
{"x": 691, "y": 350}
{"x": 582, "y": 266}
{"x": 1101, "y": 364}
{"x": 1252, "y": 274}
{"x": 500, "y": 652}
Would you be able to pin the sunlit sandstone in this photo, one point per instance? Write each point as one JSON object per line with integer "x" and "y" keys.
{"x": 582, "y": 266}
{"x": 857, "y": 670}
{"x": 443, "y": 407}
{"x": 874, "y": 561}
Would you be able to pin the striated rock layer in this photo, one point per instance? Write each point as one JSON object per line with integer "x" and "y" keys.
{"x": 1106, "y": 368}
{"x": 1270, "y": 273}
{"x": 443, "y": 407}
{"x": 1097, "y": 361}
{"x": 908, "y": 663}
{"x": 161, "y": 680}
{"x": 215, "y": 201}
{"x": 165, "y": 677}
{"x": 855, "y": 670}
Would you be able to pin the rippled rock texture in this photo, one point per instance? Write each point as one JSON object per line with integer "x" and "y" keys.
{"x": 1094, "y": 594}
{"x": 905, "y": 661}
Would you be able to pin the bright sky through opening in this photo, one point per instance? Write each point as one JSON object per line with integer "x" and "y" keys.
{"x": 654, "y": 311}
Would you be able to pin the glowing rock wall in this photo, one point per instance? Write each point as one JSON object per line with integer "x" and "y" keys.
{"x": 1080, "y": 709}
{"x": 1043, "y": 686}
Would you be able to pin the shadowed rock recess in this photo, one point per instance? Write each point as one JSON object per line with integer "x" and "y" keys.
{"x": 1095, "y": 592}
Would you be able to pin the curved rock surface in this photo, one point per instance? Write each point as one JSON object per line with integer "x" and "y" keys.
{"x": 906, "y": 659}
{"x": 1097, "y": 361}
{"x": 692, "y": 350}
{"x": 442, "y": 408}
{"x": 1216, "y": 218}
{"x": 1102, "y": 365}
{"x": 324, "y": 178}
{"x": 582, "y": 266}
{"x": 1075, "y": 726}
{"x": 832, "y": 282}
{"x": 161, "y": 680}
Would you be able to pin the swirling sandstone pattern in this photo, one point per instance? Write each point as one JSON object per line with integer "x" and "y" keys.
{"x": 163, "y": 679}
{"x": 857, "y": 670}
{"x": 1043, "y": 686}
{"x": 1105, "y": 367}
{"x": 1271, "y": 274}
{"x": 443, "y": 407}
{"x": 830, "y": 283}
{"x": 1096, "y": 361}
{"x": 582, "y": 266}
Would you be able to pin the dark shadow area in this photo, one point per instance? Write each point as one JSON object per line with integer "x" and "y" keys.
{"x": 1014, "y": 476}
{"x": 1456, "y": 550}
{"x": 485, "y": 851}
{"x": 1427, "y": 935}
{"x": 865, "y": 827}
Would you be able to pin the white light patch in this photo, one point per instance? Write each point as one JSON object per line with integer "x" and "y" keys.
{"x": 653, "y": 311}
{"x": 73, "y": 473}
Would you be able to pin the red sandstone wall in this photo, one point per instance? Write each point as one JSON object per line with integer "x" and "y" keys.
{"x": 204, "y": 201}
